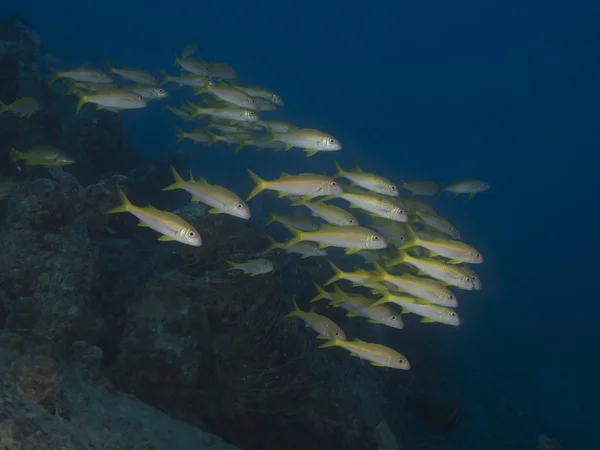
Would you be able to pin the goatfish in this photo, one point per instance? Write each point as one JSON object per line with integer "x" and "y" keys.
{"x": 252, "y": 267}
{"x": 136, "y": 75}
{"x": 41, "y": 155}
{"x": 113, "y": 99}
{"x": 449, "y": 274}
{"x": 222, "y": 200}
{"x": 322, "y": 294}
{"x": 193, "y": 81}
{"x": 195, "y": 66}
{"x": 379, "y": 355}
{"x": 299, "y": 222}
{"x": 23, "y": 106}
{"x": 306, "y": 249}
{"x": 358, "y": 277}
{"x": 424, "y": 188}
{"x": 353, "y": 238}
{"x": 82, "y": 75}
{"x": 262, "y": 93}
{"x": 235, "y": 114}
{"x": 375, "y": 204}
{"x": 419, "y": 287}
{"x": 312, "y": 141}
{"x": 324, "y": 326}
{"x": 470, "y": 187}
{"x": 169, "y": 225}
{"x": 204, "y": 136}
{"x": 334, "y": 215}
{"x": 438, "y": 224}
{"x": 357, "y": 305}
{"x": 230, "y": 95}
{"x": 306, "y": 184}
{"x": 149, "y": 92}
{"x": 455, "y": 251}
{"x": 368, "y": 181}
{"x": 427, "y": 310}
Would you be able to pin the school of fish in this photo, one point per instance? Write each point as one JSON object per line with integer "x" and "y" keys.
{"x": 415, "y": 257}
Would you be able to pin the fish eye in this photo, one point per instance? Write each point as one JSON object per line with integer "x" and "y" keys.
{"x": 393, "y": 317}
{"x": 140, "y": 98}
{"x": 453, "y": 314}
{"x": 266, "y": 263}
{"x": 400, "y": 360}
{"x": 376, "y": 238}
{"x": 393, "y": 188}
{"x": 191, "y": 233}
{"x": 161, "y": 91}
{"x": 239, "y": 206}
{"x": 332, "y": 141}
{"x": 333, "y": 183}
{"x": 451, "y": 297}
{"x": 477, "y": 255}
{"x": 351, "y": 221}
{"x": 337, "y": 334}
{"x": 251, "y": 113}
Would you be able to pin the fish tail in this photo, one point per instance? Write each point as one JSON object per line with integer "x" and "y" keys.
{"x": 125, "y": 206}
{"x": 197, "y": 110}
{"x": 240, "y": 146}
{"x": 300, "y": 202}
{"x": 212, "y": 138}
{"x": 398, "y": 259}
{"x": 337, "y": 274}
{"x": 260, "y": 185}
{"x": 270, "y": 134}
{"x": 296, "y": 311}
{"x": 166, "y": 77}
{"x": 231, "y": 264}
{"x": 272, "y": 218}
{"x": 357, "y": 167}
{"x": 381, "y": 273}
{"x": 82, "y": 101}
{"x": 180, "y": 135}
{"x": 3, "y": 108}
{"x": 109, "y": 67}
{"x": 298, "y": 236}
{"x": 55, "y": 75}
{"x": 272, "y": 243}
{"x": 441, "y": 191}
{"x": 179, "y": 182}
{"x": 321, "y": 293}
{"x": 335, "y": 342}
{"x": 339, "y": 171}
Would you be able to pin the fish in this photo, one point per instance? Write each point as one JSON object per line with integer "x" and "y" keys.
{"x": 229, "y": 94}
{"x": 306, "y": 249}
{"x": 195, "y": 66}
{"x": 195, "y": 81}
{"x": 413, "y": 205}
{"x": 169, "y": 225}
{"x": 263, "y": 93}
{"x": 181, "y": 113}
{"x": 264, "y": 105}
{"x": 419, "y": 287}
{"x": 221, "y": 70}
{"x": 260, "y": 143}
{"x": 235, "y": 114}
{"x": 379, "y": 355}
{"x": 380, "y": 314}
{"x": 149, "y": 92}
{"x": 474, "y": 277}
{"x": 368, "y": 181}
{"x": 455, "y": 251}
{"x": 311, "y": 141}
{"x": 198, "y": 136}
{"x": 427, "y": 310}
{"x": 253, "y": 267}
{"x": 293, "y": 220}
{"x": 353, "y": 238}
{"x": 376, "y": 204}
{"x": 277, "y": 126}
{"x": 438, "y": 223}
{"x": 189, "y": 49}
{"x": 333, "y": 215}
{"x": 360, "y": 276}
{"x": 424, "y": 188}
{"x": 112, "y": 98}
{"x": 83, "y": 75}
{"x": 394, "y": 232}
{"x": 222, "y": 200}
{"x": 136, "y": 75}
{"x": 324, "y": 326}
{"x": 23, "y": 106}
{"x": 469, "y": 186}
{"x": 41, "y": 155}
{"x": 307, "y": 184}
{"x": 449, "y": 274}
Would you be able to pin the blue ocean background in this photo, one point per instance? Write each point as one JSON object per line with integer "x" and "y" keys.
{"x": 502, "y": 91}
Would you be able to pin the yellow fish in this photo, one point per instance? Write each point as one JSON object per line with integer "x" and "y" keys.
{"x": 379, "y": 355}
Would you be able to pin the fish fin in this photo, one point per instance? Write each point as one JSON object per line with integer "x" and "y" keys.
{"x": 357, "y": 167}
{"x": 215, "y": 211}
{"x": 338, "y": 274}
{"x": 142, "y": 224}
{"x": 404, "y": 311}
{"x": 377, "y": 364}
{"x": 373, "y": 321}
{"x": 305, "y": 256}
{"x": 471, "y": 195}
{"x": 298, "y": 236}
{"x": 288, "y": 147}
{"x": 13, "y": 156}
{"x": 335, "y": 342}
{"x": 55, "y": 75}
{"x": 352, "y": 314}
{"x": 339, "y": 171}
{"x": 179, "y": 182}
{"x": 321, "y": 293}
{"x": 321, "y": 336}
{"x": 454, "y": 261}
{"x": 310, "y": 152}
{"x": 3, "y": 108}
{"x": 195, "y": 200}
{"x": 427, "y": 320}
{"x": 82, "y": 101}
{"x": 165, "y": 238}
{"x": 125, "y": 206}
{"x": 180, "y": 136}
{"x": 232, "y": 265}
{"x": 355, "y": 355}
{"x": 351, "y": 251}
{"x": 260, "y": 185}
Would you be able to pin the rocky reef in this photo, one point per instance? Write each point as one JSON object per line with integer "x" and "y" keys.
{"x": 95, "y": 311}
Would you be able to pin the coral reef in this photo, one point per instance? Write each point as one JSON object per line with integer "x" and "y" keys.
{"x": 92, "y": 307}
